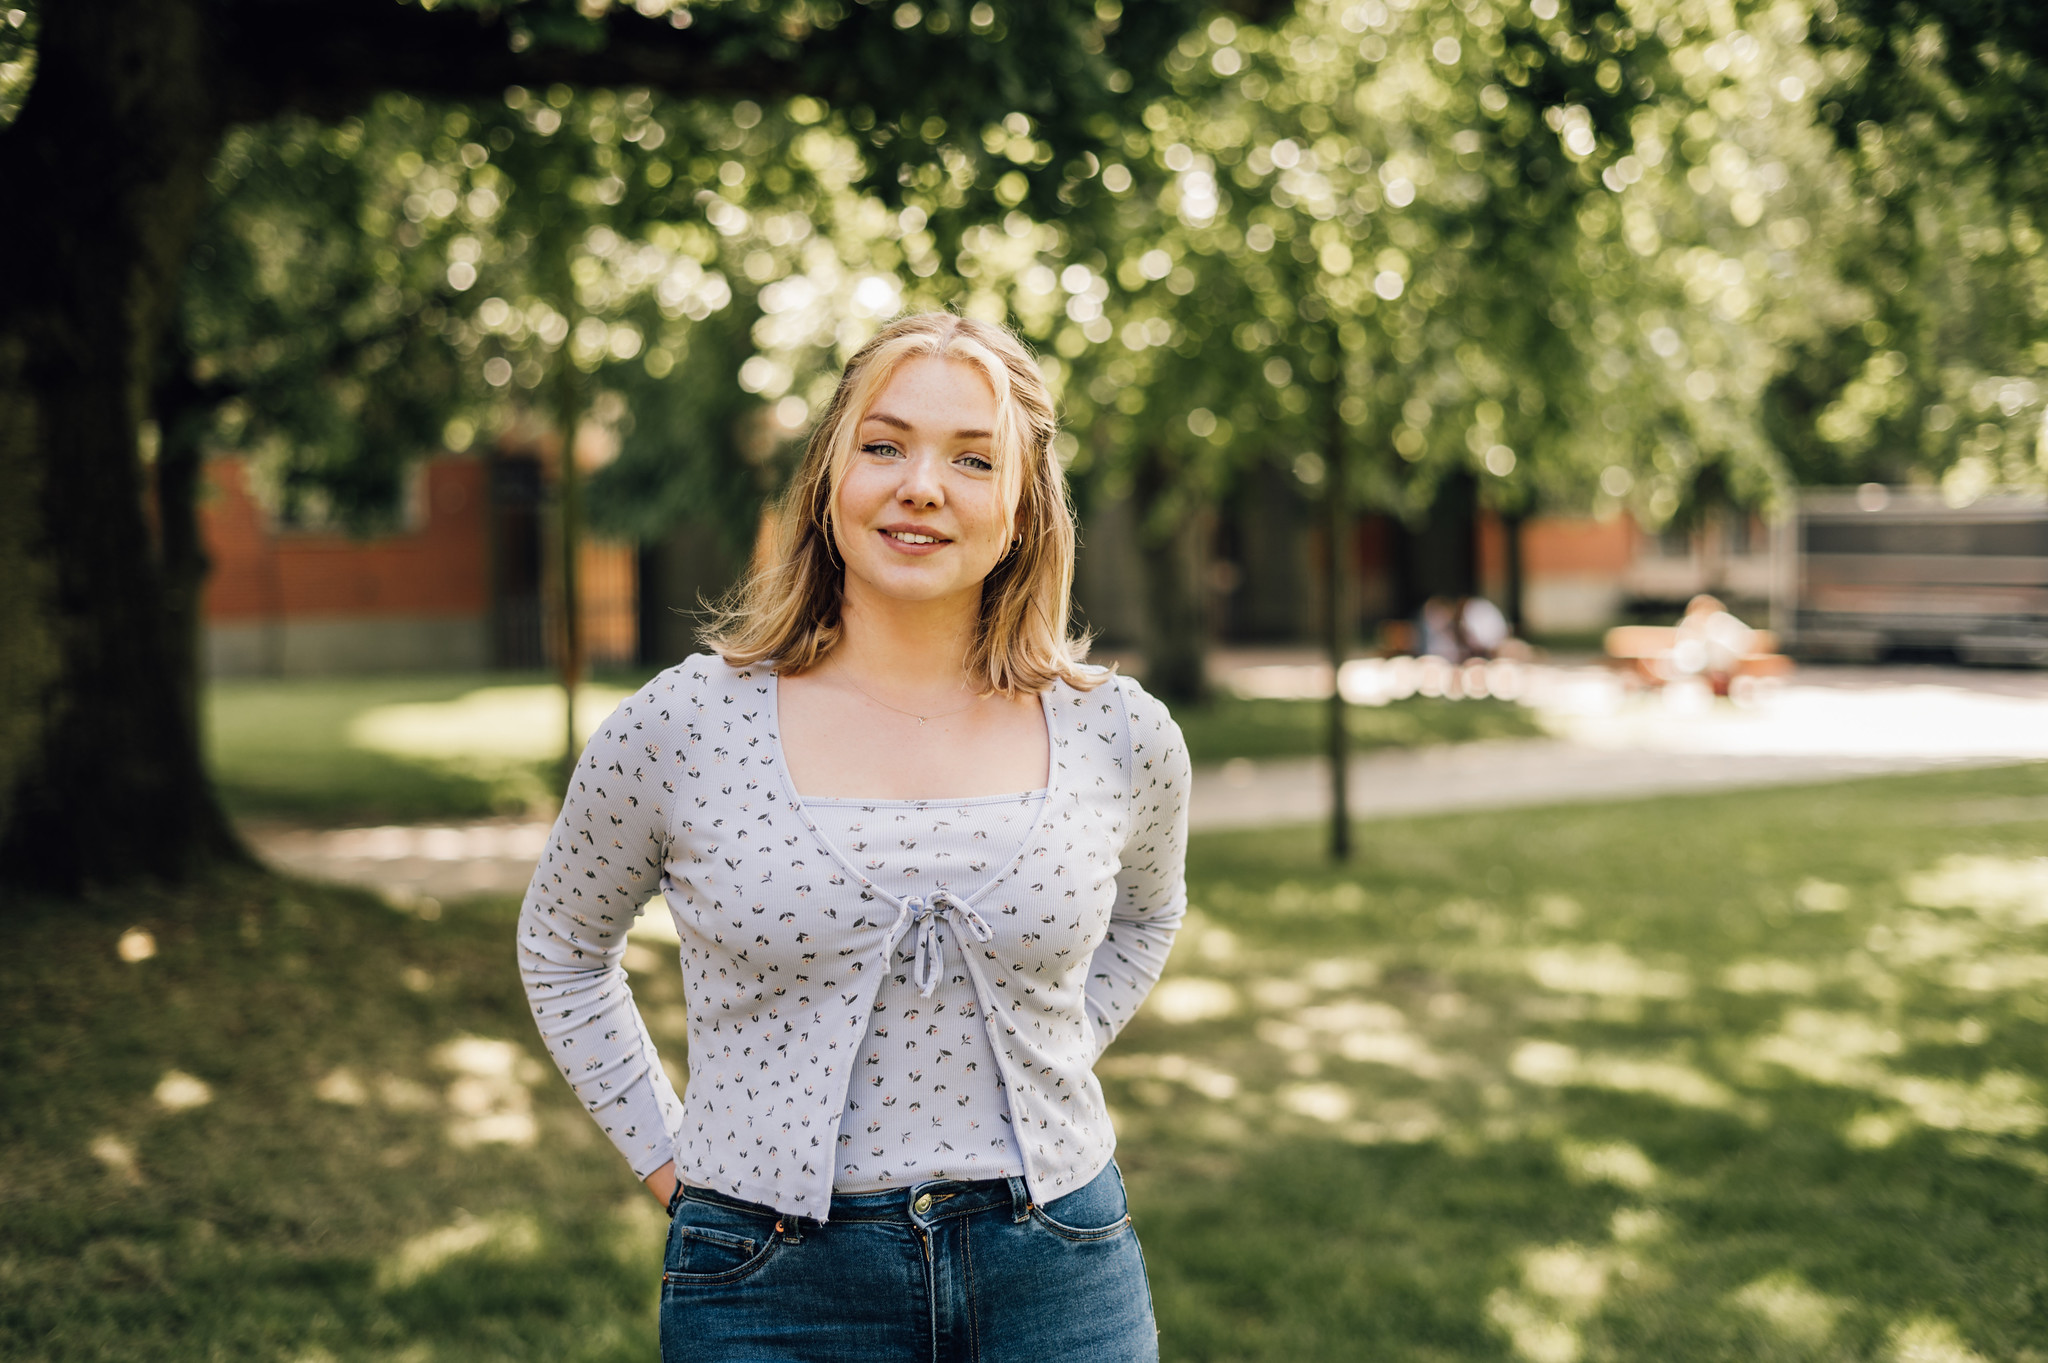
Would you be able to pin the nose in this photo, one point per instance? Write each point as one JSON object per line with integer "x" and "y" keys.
{"x": 921, "y": 486}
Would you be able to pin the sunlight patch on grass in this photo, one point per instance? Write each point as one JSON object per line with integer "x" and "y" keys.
{"x": 1191, "y": 998}
{"x": 511, "y": 724}
{"x": 1830, "y": 1048}
{"x": 1561, "y": 1286}
{"x": 1847, "y": 1050}
{"x": 1621, "y": 1163}
{"x": 1821, "y": 896}
{"x": 1204, "y": 1079}
{"x": 1331, "y": 1103}
{"x": 1769, "y": 976}
{"x": 491, "y": 1097}
{"x": 342, "y": 1088}
{"x": 510, "y": 1237}
{"x": 117, "y": 1155}
{"x": 178, "y": 1091}
{"x": 2010, "y": 891}
{"x": 1929, "y": 1339}
{"x": 1552, "y": 1064}
{"x": 1791, "y": 1307}
{"x": 1604, "y": 969}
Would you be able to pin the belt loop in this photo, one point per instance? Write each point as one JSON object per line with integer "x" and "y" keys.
{"x": 1020, "y": 1199}
{"x": 791, "y": 1229}
{"x": 675, "y": 1199}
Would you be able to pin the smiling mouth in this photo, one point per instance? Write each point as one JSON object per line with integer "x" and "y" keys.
{"x": 913, "y": 537}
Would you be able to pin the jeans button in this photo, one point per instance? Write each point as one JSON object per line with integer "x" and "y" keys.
{"x": 923, "y": 1204}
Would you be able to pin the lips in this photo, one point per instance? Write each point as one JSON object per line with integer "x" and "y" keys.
{"x": 913, "y": 538}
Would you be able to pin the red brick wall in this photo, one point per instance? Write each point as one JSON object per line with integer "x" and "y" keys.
{"x": 1579, "y": 545}
{"x": 440, "y": 569}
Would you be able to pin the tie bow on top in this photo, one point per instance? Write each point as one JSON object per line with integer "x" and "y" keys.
{"x": 924, "y": 912}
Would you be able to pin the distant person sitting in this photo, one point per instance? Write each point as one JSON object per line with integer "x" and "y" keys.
{"x": 1711, "y": 643}
{"x": 1439, "y": 622}
{"x": 1461, "y": 628}
{"x": 1482, "y": 628}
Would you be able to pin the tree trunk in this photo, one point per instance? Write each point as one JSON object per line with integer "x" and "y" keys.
{"x": 1176, "y": 639}
{"x": 1337, "y": 627}
{"x": 569, "y": 508}
{"x": 102, "y": 775}
{"x": 1511, "y": 534}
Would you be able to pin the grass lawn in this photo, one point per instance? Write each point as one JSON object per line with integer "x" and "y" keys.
{"x": 416, "y": 748}
{"x": 1751, "y": 1076}
{"x": 392, "y": 749}
{"x": 1228, "y": 727}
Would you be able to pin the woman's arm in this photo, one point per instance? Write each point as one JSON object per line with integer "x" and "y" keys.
{"x": 603, "y": 861}
{"x": 662, "y": 1183}
{"x": 1151, "y": 887}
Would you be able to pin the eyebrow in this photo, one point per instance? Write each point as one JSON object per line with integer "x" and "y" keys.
{"x": 900, "y": 424}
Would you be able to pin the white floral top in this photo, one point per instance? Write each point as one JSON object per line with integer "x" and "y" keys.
{"x": 786, "y": 943}
{"x": 927, "y": 1097}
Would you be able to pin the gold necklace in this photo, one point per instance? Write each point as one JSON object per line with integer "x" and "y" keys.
{"x": 921, "y": 719}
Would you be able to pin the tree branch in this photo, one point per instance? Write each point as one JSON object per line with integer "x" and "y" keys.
{"x": 326, "y": 57}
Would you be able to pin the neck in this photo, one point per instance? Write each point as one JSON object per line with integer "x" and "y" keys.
{"x": 916, "y": 648}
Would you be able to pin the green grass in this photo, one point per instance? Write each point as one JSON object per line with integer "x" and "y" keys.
{"x": 284, "y": 749}
{"x": 288, "y": 749}
{"x": 1750, "y": 1076}
{"x": 1228, "y": 727}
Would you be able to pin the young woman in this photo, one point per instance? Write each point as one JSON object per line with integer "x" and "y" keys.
{"x": 924, "y": 866}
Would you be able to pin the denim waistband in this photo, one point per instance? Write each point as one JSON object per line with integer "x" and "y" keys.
{"x": 919, "y": 1204}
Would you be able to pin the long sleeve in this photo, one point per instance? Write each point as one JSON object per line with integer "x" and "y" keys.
{"x": 603, "y": 861}
{"x": 1151, "y": 886}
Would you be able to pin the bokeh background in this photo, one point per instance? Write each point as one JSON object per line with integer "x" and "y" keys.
{"x": 385, "y": 389}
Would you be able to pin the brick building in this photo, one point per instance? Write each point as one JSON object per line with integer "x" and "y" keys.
{"x": 460, "y": 583}
{"x": 463, "y": 581}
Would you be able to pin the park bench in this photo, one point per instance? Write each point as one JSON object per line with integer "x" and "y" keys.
{"x": 1658, "y": 654}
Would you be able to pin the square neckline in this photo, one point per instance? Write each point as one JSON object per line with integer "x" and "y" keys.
{"x": 1043, "y": 798}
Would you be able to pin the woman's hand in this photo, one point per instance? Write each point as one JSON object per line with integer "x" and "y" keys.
{"x": 662, "y": 1182}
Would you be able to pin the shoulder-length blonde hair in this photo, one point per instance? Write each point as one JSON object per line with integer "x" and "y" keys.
{"x": 787, "y": 612}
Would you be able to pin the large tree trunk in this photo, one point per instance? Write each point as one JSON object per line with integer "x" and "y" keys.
{"x": 101, "y": 776}
{"x": 1176, "y": 636}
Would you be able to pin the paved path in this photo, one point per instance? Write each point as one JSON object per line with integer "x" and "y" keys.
{"x": 1608, "y": 743}
{"x": 1503, "y": 775}
{"x": 1611, "y": 742}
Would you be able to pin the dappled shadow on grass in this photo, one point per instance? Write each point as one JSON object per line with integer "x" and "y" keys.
{"x": 1742, "y": 1076}
{"x": 297, "y": 1123}
{"x": 1749, "y": 1076}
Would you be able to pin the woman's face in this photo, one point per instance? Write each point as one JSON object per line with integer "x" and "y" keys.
{"x": 920, "y": 515}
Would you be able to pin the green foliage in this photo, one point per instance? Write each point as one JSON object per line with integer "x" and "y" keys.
{"x": 1975, "y": 70}
{"x": 1937, "y": 107}
{"x": 20, "y": 24}
{"x": 1591, "y": 255}
{"x": 1310, "y": 241}
{"x": 1754, "y": 1075}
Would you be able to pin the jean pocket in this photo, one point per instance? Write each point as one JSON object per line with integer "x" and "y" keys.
{"x": 709, "y": 1243}
{"x": 1096, "y": 1212}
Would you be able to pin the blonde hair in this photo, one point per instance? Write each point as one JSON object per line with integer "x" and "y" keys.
{"x": 787, "y": 612}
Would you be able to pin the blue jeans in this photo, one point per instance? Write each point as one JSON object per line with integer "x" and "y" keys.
{"x": 941, "y": 1272}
